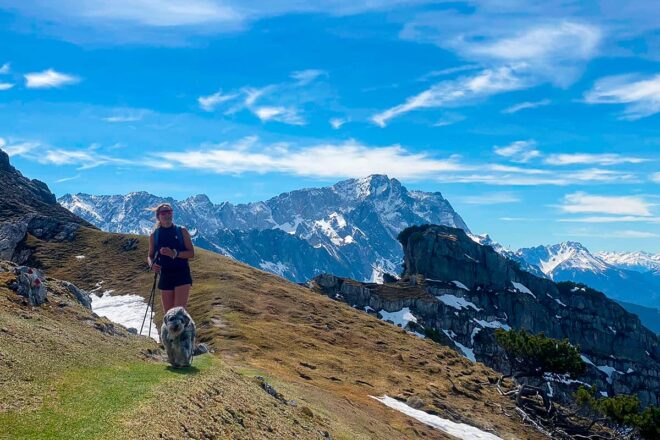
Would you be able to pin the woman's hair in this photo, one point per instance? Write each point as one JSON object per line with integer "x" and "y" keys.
{"x": 157, "y": 210}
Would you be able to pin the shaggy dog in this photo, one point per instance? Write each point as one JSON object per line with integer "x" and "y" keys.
{"x": 178, "y": 336}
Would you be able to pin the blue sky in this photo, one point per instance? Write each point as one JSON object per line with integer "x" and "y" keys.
{"x": 538, "y": 121}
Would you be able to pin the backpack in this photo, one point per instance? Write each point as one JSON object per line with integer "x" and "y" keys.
{"x": 178, "y": 234}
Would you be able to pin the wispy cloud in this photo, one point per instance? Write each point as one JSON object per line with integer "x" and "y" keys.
{"x": 18, "y": 148}
{"x": 591, "y": 159}
{"x": 519, "y": 151}
{"x": 641, "y": 95}
{"x": 49, "y": 79}
{"x": 457, "y": 92}
{"x": 5, "y": 86}
{"x": 337, "y": 123}
{"x": 494, "y": 198}
{"x": 210, "y": 102}
{"x": 67, "y": 179}
{"x": 614, "y": 234}
{"x": 126, "y": 115}
{"x": 349, "y": 159}
{"x": 279, "y": 102}
{"x": 526, "y": 105}
{"x": 5, "y": 68}
{"x": 448, "y": 71}
{"x": 611, "y": 219}
{"x": 304, "y": 77}
{"x": 580, "y": 202}
{"x": 655, "y": 177}
{"x": 449, "y": 119}
{"x": 278, "y": 113}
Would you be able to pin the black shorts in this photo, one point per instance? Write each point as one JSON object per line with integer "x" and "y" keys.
{"x": 169, "y": 279}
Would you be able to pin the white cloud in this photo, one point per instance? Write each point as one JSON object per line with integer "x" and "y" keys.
{"x": 67, "y": 179}
{"x": 519, "y": 151}
{"x": 655, "y": 177}
{"x": 210, "y": 102}
{"x": 5, "y": 69}
{"x": 6, "y": 86}
{"x": 304, "y": 77}
{"x": 641, "y": 95}
{"x": 48, "y": 79}
{"x": 126, "y": 115}
{"x": 592, "y": 159}
{"x": 611, "y": 219}
{"x": 280, "y": 114}
{"x": 494, "y": 198}
{"x": 449, "y": 119}
{"x": 457, "y": 92}
{"x": 448, "y": 71}
{"x": 526, "y": 105}
{"x": 580, "y": 202}
{"x": 349, "y": 159}
{"x": 18, "y": 148}
{"x": 615, "y": 234}
{"x": 336, "y": 123}
{"x": 157, "y": 13}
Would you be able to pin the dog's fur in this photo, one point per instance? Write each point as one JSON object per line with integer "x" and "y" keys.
{"x": 178, "y": 336}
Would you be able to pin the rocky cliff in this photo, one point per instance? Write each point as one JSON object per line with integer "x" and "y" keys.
{"x": 28, "y": 206}
{"x": 459, "y": 292}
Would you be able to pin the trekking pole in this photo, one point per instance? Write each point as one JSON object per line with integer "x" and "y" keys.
{"x": 150, "y": 301}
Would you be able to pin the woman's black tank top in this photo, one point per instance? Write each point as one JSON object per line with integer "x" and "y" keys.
{"x": 167, "y": 238}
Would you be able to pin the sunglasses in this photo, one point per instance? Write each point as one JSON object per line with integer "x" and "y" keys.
{"x": 164, "y": 211}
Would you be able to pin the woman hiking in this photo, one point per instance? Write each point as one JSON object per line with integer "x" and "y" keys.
{"x": 170, "y": 247}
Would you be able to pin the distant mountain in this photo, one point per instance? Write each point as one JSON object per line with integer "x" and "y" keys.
{"x": 571, "y": 261}
{"x": 638, "y": 261}
{"x": 348, "y": 229}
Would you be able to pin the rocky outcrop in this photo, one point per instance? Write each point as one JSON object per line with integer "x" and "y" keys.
{"x": 31, "y": 284}
{"x": 458, "y": 292}
{"x": 28, "y": 207}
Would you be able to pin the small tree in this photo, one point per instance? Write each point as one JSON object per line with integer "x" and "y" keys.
{"x": 621, "y": 413}
{"x": 531, "y": 356}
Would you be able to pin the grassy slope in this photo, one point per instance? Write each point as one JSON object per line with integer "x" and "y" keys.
{"x": 325, "y": 355}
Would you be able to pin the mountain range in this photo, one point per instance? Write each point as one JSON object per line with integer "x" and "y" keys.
{"x": 348, "y": 229}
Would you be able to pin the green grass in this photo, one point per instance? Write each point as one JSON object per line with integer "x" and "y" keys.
{"x": 88, "y": 403}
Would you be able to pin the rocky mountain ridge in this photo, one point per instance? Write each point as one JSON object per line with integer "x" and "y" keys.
{"x": 463, "y": 291}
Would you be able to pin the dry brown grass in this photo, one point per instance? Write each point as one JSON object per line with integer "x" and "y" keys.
{"x": 322, "y": 353}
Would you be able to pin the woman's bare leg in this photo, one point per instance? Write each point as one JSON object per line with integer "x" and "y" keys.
{"x": 167, "y": 297}
{"x": 181, "y": 294}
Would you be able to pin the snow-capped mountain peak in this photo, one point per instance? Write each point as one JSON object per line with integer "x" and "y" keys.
{"x": 639, "y": 261}
{"x": 563, "y": 256}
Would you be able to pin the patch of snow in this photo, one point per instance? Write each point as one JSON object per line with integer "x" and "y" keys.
{"x": 292, "y": 226}
{"x": 467, "y": 351}
{"x": 522, "y": 288}
{"x": 559, "y": 302}
{"x": 456, "y": 302}
{"x": 473, "y": 334}
{"x": 402, "y": 317}
{"x": 459, "y": 430}
{"x": 492, "y": 324}
{"x": 603, "y": 393}
{"x": 551, "y": 392}
{"x": 127, "y": 310}
{"x": 611, "y": 329}
{"x": 557, "y": 316}
{"x": 563, "y": 378}
{"x": 460, "y": 285}
{"x": 630, "y": 370}
{"x": 608, "y": 371}
{"x": 586, "y": 360}
{"x": 368, "y": 309}
{"x": 278, "y": 268}
{"x": 80, "y": 257}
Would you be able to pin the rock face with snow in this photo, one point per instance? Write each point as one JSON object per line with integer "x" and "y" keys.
{"x": 28, "y": 207}
{"x": 459, "y": 292}
{"x": 349, "y": 228}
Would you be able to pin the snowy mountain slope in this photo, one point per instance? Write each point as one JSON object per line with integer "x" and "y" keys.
{"x": 350, "y": 228}
{"x": 639, "y": 261}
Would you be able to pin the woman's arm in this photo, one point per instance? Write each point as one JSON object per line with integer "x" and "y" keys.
{"x": 187, "y": 241}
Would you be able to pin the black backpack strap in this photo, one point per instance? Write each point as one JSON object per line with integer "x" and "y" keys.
{"x": 155, "y": 242}
{"x": 179, "y": 237}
